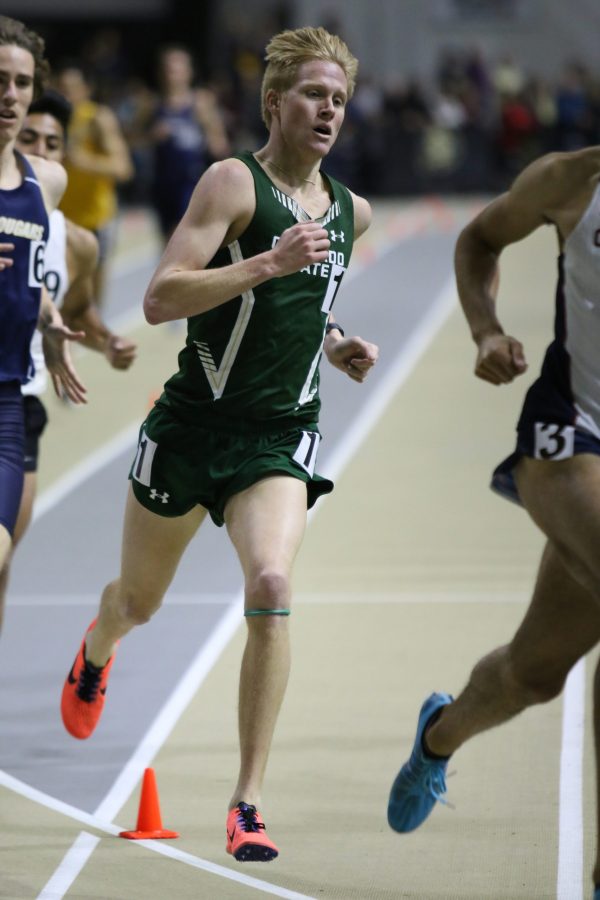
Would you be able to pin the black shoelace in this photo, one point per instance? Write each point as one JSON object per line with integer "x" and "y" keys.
{"x": 89, "y": 683}
{"x": 247, "y": 818}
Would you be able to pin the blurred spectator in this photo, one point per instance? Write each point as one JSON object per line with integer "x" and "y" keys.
{"x": 134, "y": 105}
{"x": 249, "y": 127}
{"x": 574, "y": 125}
{"x": 368, "y": 99}
{"x": 97, "y": 161}
{"x": 479, "y": 80}
{"x": 593, "y": 97}
{"x": 187, "y": 132}
{"x": 448, "y": 111}
{"x": 406, "y": 116}
{"x": 508, "y": 77}
{"x": 470, "y": 126}
{"x": 518, "y": 127}
{"x": 367, "y": 107}
{"x": 105, "y": 56}
{"x": 542, "y": 102}
{"x": 442, "y": 143}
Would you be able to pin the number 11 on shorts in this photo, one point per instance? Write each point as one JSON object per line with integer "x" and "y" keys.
{"x": 142, "y": 466}
{"x": 306, "y": 452}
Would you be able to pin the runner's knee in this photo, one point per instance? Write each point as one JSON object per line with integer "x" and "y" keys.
{"x": 268, "y": 590}
{"x": 135, "y": 606}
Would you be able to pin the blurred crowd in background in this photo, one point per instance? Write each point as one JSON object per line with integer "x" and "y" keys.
{"x": 470, "y": 128}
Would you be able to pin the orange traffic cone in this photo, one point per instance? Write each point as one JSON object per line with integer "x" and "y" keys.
{"x": 149, "y": 824}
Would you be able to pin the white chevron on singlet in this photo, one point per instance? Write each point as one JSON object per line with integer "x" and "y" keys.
{"x": 217, "y": 376}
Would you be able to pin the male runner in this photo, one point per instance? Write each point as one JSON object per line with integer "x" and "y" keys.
{"x": 254, "y": 266}
{"x": 554, "y": 472}
{"x": 69, "y": 262}
{"x": 29, "y": 190}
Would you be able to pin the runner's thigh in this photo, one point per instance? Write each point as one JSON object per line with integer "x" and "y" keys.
{"x": 561, "y": 624}
{"x": 266, "y": 524}
{"x": 563, "y": 499}
{"x": 153, "y": 546}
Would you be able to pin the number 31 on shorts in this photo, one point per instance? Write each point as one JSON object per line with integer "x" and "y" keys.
{"x": 306, "y": 451}
{"x": 553, "y": 441}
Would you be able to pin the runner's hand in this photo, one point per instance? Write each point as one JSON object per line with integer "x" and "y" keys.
{"x": 500, "y": 359}
{"x": 55, "y": 343}
{"x": 120, "y": 352}
{"x": 354, "y": 356}
{"x": 301, "y": 245}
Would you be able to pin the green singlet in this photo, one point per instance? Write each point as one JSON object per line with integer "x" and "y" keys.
{"x": 254, "y": 359}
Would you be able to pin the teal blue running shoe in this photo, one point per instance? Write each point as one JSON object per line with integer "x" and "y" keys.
{"x": 597, "y": 892}
{"x": 420, "y": 783}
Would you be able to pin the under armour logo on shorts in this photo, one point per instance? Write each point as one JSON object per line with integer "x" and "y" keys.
{"x": 154, "y": 495}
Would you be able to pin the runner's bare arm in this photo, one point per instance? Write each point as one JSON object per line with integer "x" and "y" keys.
{"x": 82, "y": 259}
{"x": 536, "y": 198}
{"x": 79, "y": 309}
{"x": 220, "y": 210}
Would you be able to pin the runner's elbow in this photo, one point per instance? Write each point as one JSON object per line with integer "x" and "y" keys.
{"x": 154, "y": 310}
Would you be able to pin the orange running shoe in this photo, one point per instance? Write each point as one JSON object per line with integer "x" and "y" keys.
{"x": 247, "y": 840}
{"x": 83, "y": 694}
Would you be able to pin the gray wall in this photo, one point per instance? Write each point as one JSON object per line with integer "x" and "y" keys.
{"x": 82, "y": 9}
{"x": 398, "y": 38}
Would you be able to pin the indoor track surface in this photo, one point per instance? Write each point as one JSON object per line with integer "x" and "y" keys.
{"x": 408, "y": 574}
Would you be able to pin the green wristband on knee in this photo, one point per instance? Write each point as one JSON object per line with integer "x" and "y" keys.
{"x": 267, "y": 612}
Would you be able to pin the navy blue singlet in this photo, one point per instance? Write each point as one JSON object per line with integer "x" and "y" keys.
{"x": 24, "y": 223}
{"x": 179, "y": 161}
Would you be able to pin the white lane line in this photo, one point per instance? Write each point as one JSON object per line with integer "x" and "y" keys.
{"x": 570, "y": 817}
{"x": 183, "y": 693}
{"x": 374, "y": 598}
{"x": 70, "y": 867}
{"x": 94, "y": 821}
{"x": 416, "y": 597}
{"x": 265, "y": 886}
{"x": 91, "y": 600}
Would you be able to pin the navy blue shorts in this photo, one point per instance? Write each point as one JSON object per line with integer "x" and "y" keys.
{"x": 36, "y": 420}
{"x": 12, "y": 452}
{"x": 564, "y": 440}
{"x": 549, "y": 426}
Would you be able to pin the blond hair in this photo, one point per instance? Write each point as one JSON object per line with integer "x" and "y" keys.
{"x": 289, "y": 49}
